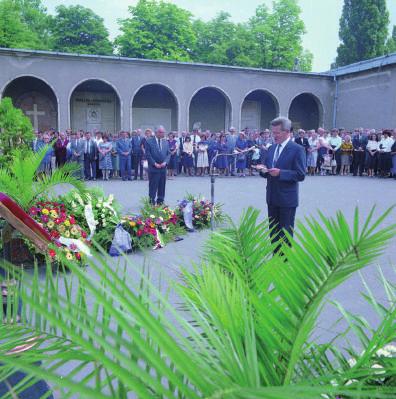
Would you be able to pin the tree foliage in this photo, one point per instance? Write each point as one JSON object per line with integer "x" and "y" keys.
{"x": 363, "y": 31}
{"x": 77, "y": 29}
{"x": 156, "y": 30}
{"x": 391, "y": 43}
{"x": 278, "y": 36}
{"x": 35, "y": 16}
{"x": 16, "y": 130}
{"x": 15, "y": 31}
{"x": 221, "y": 41}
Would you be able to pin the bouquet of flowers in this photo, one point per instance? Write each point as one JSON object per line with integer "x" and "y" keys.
{"x": 166, "y": 219}
{"x": 63, "y": 229}
{"x": 202, "y": 209}
{"x": 96, "y": 212}
{"x": 144, "y": 231}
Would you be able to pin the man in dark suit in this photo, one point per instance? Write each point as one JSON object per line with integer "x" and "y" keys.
{"x": 359, "y": 142}
{"x": 302, "y": 140}
{"x": 284, "y": 168}
{"x": 136, "y": 142}
{"x": 158, "y": 155}
{"x": 90, "y": 157}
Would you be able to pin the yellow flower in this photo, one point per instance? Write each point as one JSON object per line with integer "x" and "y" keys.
{"x": 45, "y": 211}
{"x": 152, "y": 225}
{"x": 74, "y": 231}
{"x": 67, "y": 223}
{"x": 67, "y": 234}
{"x": 132, "y": 224}
{"x": 69, "y": 256}
{"x": 61, "y": 229}
{"x": 50, "y": 224}
{"x": 54, "y": 213}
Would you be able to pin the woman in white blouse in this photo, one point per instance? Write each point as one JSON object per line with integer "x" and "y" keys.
{"x": 312, "y": 156}
{"x": 385, "y": 157}
{"x": 372, "y": 154}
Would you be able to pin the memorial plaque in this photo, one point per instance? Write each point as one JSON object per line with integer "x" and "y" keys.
{"x": 92, "y": 111}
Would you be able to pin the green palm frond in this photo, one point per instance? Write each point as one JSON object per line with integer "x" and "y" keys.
{"x": 287, "y": 292}
{"x": 21, "y": 181}
{"x": 117, "y": 333}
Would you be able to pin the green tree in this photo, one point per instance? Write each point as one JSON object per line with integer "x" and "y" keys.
{"x": 14, "y": 31}
{"x": 156, "y": 30}
{"x": 220, "y": 41}
{"x": 77, "y": 29}
{"x": 278, "y": 36}
{"x": 391, "y": 43}
{"x": 363, "y": 30}
{"x": 15, "y": 129}
{"x": 35, "y": 16}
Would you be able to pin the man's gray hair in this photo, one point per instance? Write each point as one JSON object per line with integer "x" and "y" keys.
{"x": 159, "y": 127}
{"x": 284, "y": 122}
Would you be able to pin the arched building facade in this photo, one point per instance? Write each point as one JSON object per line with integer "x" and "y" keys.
{"x": 113, "y": 93}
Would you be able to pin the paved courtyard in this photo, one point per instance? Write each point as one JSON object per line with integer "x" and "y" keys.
{"x": 327, "y": 194}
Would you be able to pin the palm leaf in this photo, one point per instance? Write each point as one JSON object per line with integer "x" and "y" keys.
{"x": 234, "y": 338}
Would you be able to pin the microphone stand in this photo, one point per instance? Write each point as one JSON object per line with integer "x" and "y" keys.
{"x": 213, "y": 180}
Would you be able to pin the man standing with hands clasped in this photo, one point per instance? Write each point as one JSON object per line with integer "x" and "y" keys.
{"x": 284, "y": 168}
{"x": 158, "y": 155}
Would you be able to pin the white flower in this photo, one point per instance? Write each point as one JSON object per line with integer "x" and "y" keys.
{"x": 352, "y": 362}
{"x": 152, "y": 216}
{"x": 387, "y": 351}
{"x": 98, "y": 205}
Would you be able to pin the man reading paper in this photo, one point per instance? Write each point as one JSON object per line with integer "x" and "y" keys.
{"x": 284, "y": 168}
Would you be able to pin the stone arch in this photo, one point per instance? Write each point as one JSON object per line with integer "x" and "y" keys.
{"x": 36, "y": 98}
{"x": 306, "y": 111}
{"x": 95, "y": 104}
{"x": 258, "y": 108}
{"x": 210, "y": 108}
{"x": 154, "y": 104}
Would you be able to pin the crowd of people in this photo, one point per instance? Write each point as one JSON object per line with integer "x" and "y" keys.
{"x": 360, "y": 152}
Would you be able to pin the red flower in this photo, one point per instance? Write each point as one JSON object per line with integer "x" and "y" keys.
{"x": 72, "y": 220}
{"x": 78, "y": 256}
{"x": 33, "y": 210}
{"x": 83, "y": 234}
{"x": 57, "y": 221}
{"x": 52, "y": 253}
{"x": 139, "y": 233}
{"x": 54, "y": 234}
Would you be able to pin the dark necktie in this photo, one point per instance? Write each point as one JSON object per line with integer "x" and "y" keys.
{"x": 276, "y": 156}
{"x": 159, "y": 144}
